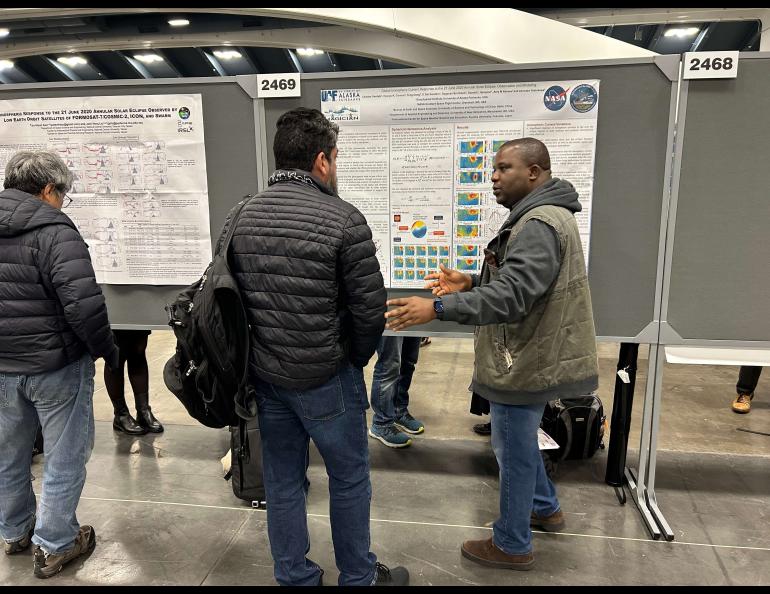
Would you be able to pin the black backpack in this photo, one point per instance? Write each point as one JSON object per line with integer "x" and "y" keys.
{"x": 576, "y": 424}
{"x": 209, "y": 371}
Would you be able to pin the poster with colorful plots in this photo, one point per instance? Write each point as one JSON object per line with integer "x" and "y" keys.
{"x": 424, "y": 158}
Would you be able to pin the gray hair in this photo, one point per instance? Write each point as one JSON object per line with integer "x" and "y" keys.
{"x": 32, "y": 171}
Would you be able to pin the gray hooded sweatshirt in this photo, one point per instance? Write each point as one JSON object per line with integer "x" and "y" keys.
{"x": 535, "y": 337}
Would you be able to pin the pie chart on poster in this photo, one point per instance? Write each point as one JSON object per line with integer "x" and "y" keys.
{"x": 419, "y": 229}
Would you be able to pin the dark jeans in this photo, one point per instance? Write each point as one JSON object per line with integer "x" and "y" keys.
{"x": 748, "y": 378}
{"x": 392, "y": 376}
{"x": 334, "y": 416}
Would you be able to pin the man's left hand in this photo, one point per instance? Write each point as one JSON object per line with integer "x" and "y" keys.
{"x": 410, "y": 311}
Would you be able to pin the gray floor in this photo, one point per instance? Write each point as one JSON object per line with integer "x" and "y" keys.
{"x": 163, "y": 514}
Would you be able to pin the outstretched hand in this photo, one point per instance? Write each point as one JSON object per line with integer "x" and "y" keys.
{"x": 411, "y": 311}
{"x": 447, "y": 281}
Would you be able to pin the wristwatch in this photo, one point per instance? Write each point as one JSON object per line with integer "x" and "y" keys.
{"x": 438, "y": 307}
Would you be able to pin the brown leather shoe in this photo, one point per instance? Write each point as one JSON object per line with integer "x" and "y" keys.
{"x": 485, "y": 552}
{"x": 742, "y": 403}
{"x": 552, "y": 523}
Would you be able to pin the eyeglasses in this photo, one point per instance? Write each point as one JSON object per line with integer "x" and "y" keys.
{"x": 66, "y": 201}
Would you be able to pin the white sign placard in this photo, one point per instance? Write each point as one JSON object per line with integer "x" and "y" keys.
{"x": 278, "y": 85}
{"x": 710, "y": 65}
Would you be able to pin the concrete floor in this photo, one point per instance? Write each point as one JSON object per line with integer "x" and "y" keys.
{"x": 164, "y": 516}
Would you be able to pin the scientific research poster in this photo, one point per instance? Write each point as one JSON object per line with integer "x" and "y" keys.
{"x": 417, "y": 162}
{"x": 140, "y": 196}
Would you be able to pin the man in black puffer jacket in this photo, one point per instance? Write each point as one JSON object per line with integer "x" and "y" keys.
{"x": 305, "y": 262}
{"x": 53, "y": 325}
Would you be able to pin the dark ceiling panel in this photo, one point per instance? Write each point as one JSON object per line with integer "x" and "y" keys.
{"x": 347, "y": 62}
{"x": 273, "y": 60}
{"x": 732, "y": 35}
{"x": 41, "y": 69}
{"x": 189, "y": 61}
{"x": 113, "y": 65}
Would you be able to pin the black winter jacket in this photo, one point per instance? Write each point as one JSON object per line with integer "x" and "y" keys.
{"x": 51, "y": 309}
{"x": 305, "y": 262}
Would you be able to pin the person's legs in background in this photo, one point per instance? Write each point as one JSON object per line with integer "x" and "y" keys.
{"x": 410, "y": 352}
{"x": 385, "y": 385}
{"x": 139, "y": 376}
{"x": 115, "y": 383}
{"x": 748, "y": 378}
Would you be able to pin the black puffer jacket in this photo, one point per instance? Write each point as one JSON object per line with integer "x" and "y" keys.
{"x": 305, "y": 262}
{"x": 51, "y": 309}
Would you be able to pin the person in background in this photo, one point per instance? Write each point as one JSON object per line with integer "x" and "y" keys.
{"x": 748, "y": 378}
{"x": 132, "y": 345}
{"x": 396, "y": 359}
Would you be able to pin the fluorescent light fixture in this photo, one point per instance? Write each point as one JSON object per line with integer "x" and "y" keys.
{"x": 5, "y": 64}
{"x": 227, "y": 54}
{"x": 681, "y": 32}
{"x": 148, "y": 58}
{"x": 72, "y": 61}
{"x": 4, "y": 32}
{"x": 309, "y": 51}
{"x": 178, "y": 22}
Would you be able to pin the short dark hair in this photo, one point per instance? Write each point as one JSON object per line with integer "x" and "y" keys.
{"x": 303, "y": 133}
{"x": 532, "y": 150}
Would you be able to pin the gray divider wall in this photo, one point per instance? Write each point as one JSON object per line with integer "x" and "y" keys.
{"x": 720, "y": 265}
{"x": 231, "y": 167}
{"x": 631, "y": 153}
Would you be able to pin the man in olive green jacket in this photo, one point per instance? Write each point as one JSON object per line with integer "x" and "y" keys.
{"x": 535, "y": 338}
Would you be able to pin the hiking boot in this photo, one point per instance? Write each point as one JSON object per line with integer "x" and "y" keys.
{"x": 483, "y": 428}
{"x": 398, "y": 576}
{"x": 742, "y": 403}
{"x": 390, "y": 436}
{"x": 47, "y": 564}
{"x": 17, "y": 546}
{"x": 125, "y": 423}
{"x": 552, "y": 523}
{"x": 485, "y": 552}
{"x": 409, "y": 424}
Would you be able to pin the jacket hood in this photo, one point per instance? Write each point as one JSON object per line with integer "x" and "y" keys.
{"x": 21, "y": 212}
{"x": 554, "y": 192}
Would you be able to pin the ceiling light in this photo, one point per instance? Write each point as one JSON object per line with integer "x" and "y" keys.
{"x": 148, "y": 58}
{"x": 227, "y": 54}
{"x": 309, "y": 51}
{"x": 681, "y": 32}
{"x": 4, "y": 32}
{"x": 72, "y": 61}
{"x": 5, "y": 64}
{"x": 178, "y": 22}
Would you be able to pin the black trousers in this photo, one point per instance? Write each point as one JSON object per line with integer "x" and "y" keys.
{"x": 748, "y": 378}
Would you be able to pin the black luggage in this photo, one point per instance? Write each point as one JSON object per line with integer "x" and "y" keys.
{"x": 246, "y": 464}
{"x": 576, "y": 424}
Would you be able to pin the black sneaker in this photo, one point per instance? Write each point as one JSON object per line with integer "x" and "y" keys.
{"x": 398, "y": 576}
{"x": 21, "y": 545}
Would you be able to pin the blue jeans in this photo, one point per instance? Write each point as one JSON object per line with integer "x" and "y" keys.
{"x": 61, "y": 402}
{"x": 396, "y": 359}
{"x": 334, "y": 416}
{"x": 524, "y": 485}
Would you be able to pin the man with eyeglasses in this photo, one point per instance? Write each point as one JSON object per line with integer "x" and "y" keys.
{"x": 53, "y": 326}
{"x": 535, "y": 338}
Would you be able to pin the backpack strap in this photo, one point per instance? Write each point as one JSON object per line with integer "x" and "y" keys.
{"x": 233, "y": 221}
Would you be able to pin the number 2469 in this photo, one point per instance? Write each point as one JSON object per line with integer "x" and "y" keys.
{"x": 282, "y": 84}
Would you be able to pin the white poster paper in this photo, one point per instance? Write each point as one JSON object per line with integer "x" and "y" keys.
{"x": 433, "y": 149}
{"x": 140, "y": 196}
